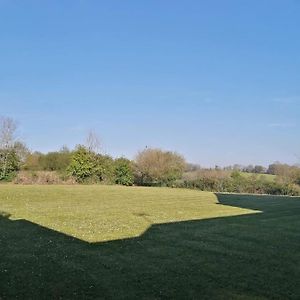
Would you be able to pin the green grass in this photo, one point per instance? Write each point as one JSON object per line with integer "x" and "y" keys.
{"x": 268, "y": 177}
{"x": 104, "y": 213}
{"x": 87, "y": 242}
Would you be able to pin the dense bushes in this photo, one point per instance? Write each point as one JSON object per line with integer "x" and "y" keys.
{"x": 55, "y": 161}
{"x": 157, "y": 167}
{"x": 285, "y": 172}
{"x": 152, "y": 167}
{"x": 87, "y": 166}
{"x": 236, "y": 183}
{"x": 52, "y": 161}
{"x": 82, "y": 165}
{"x": 42, "y": 177}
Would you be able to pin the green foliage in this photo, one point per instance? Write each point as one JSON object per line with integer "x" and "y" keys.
{"x": 157, "y": 167}
{"x": 297, "y": 179}
{"x": 52, "y": 161}
{"x": 259, "y": 169}
{"x": 152, "y": 167}
{"x": 82, "y": 165}
{"x": 237, "y": 183}
{"x": 9, "y": 164}
{"x": 33, "y": 162}
{"x": 103, "y": 169}
{"x": 89, "y": 167}
{"x": 55, "y": 161}
{"x": 123, "y": 172}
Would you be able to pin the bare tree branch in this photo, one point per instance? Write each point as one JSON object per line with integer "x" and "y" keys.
{"x": 93, "y": 142}
{"x": 8, "y": 129}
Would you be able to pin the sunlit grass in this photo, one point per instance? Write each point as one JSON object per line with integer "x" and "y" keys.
{"x": 103, "y": 213}
{"x": 153, "y": 243}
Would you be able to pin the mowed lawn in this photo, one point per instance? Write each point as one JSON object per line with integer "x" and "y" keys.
{"x": 105, "y": 213}
{"x": 110, "y": 242}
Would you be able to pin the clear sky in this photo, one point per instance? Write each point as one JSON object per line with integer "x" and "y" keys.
{"x": 218, "y": 81}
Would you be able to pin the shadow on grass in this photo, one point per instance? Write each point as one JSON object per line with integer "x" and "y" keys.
{"x": 244, "y": 257}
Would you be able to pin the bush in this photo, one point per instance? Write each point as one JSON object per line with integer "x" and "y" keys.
{"x": 82, "y": 164}
{"x": 52, "y": 161}
{"x": 9, "y": 164}
{"x": 88, "y": 167}
{"x": 104, "y": 169}
{"x": 123, "y": 172}
{"x": 236, "y": 183}
{"x": 55, "y": 161}
{"x": 42, "y": 177}
{"x": 157, "y": 167}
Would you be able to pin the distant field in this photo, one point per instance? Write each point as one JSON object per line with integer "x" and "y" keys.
{"x": 268, "y": 177}
{"x": 87, "y": 242}
{"x": 214, "y": 173}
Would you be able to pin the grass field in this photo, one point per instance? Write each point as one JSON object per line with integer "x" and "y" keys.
{"x": 109, "y": 242}
{"x": 267, "y": 177}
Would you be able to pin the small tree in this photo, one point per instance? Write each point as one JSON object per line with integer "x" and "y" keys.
{"x": 259, "y": 169}
{"x": 155, "y": 166}
{"x": 88, "y": 166}
{"x": 9, "y": 160}
{"x": 123, "y": 172}
{"x": 82, "y": 164}
{"x": 9, "y": 164}
{"x": 104, "y": 168}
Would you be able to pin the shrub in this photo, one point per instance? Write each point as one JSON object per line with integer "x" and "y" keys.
{"x": 52, "y": 161}
{"x": 9, "y": 164}
{"x": 104, "y": 169}
{"x": 157, "y": 167}
{"x": 42, "y": 177}
{"x": 123, "y": 172}
{"x": 236, "y": 183}
{"x": 82, "y": 165}
{"x": 55, "y": 161}
{"x": 88, "y": 167}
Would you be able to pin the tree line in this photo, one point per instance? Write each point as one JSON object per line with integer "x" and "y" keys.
{"x": 151, "y": 167}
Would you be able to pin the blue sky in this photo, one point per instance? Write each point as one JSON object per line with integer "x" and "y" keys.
{"x": 218, "y": 81}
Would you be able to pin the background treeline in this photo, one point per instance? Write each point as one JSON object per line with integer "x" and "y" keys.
{"x": 274, "y": 169}
{"x": 151, "y": 167}
{"x": 239, "y": 182}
